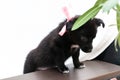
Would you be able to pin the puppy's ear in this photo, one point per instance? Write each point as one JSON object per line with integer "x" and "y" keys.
{"x": 99, "y": 22}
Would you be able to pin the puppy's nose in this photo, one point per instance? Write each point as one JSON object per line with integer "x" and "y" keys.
{"x": 89, "y": 50}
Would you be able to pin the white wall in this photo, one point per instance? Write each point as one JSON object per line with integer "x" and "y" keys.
{"x": 23, "y": 23}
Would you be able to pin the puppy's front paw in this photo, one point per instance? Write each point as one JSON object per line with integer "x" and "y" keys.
{"x": 66, "y": 71}
{"x": 80, "y": 65}
{"x": 63, "y": 69}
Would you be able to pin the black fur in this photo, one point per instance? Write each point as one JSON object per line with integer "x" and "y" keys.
{"x": 54, "y": 49}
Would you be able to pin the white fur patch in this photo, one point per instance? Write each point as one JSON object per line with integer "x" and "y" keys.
{"x": 75, "y": 46}
{"x": 46, "y": 68}
{"x": 82, "y": 66}
{"x": 65, "y": 72}
{"x": 43, "y": 68}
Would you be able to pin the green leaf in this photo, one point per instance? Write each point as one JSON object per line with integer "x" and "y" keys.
{"x": 108, "y": 5}
{"x": 118, "y": 16}
{"x": 115, "y": 43}
{"x": 99, "y": 2}
{"x": 91, "y": 13}
{"x": 118, "y": 22}
{"x": 119, "y": 39}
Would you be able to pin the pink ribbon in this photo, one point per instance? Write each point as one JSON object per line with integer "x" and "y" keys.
{"x": 67, "y": 14}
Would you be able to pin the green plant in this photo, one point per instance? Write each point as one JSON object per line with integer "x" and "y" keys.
{"x": 106, "y": 6}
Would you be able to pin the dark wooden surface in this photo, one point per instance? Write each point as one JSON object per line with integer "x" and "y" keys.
{"x": 94, "y": 70}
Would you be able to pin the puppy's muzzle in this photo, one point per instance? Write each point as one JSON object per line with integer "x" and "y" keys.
{"x": 87, "y": 49}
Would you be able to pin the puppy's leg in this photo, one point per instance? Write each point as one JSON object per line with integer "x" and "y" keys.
{"x": 75, "y": 57}
{"x": 63, "y": 69}
{"x": 61, "y": 66}
{"x": 59, "y": 61}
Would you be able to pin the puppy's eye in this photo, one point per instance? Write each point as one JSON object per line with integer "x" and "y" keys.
{"x": 83, "y": 38}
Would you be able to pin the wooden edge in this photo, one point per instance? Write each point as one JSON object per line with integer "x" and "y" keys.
{"x": 107, "y": 76}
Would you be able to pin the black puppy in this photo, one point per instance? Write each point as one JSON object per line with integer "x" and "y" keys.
{"x": 54, "y": 49}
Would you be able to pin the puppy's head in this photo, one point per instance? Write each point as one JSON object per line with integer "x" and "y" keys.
{"x": 85, "y": 34}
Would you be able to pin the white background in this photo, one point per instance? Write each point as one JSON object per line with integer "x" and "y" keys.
{"x": 24, "y": 23}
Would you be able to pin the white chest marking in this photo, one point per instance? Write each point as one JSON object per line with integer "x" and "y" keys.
{"x": 75, "y": 46}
